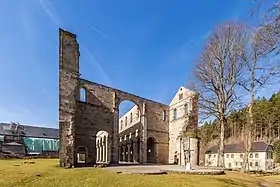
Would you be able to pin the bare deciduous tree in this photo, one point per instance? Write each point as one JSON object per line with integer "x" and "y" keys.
{"x": 270, "y": 27}
{"x": 258, "y": 71}
{"x": 216, "y": 75}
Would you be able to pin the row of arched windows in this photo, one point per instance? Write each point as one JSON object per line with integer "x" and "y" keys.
{"x": 131, "y": 119}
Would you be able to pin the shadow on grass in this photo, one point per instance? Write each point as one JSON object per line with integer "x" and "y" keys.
{"x": 231, "y": 182}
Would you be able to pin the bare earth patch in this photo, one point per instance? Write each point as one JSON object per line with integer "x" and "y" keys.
{"x": 45, "y": 173}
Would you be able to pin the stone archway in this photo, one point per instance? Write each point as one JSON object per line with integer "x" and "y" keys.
{"x": 151, "y": 150}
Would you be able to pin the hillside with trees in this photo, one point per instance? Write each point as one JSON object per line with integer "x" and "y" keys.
{"x": 266, "y": 114}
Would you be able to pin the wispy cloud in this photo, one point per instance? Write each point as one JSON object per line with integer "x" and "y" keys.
{"x": 50, "y": 10}
{"x": 189, "y": 46}
{"x": 94, "y": 29}
{"x": 96, "y": 66}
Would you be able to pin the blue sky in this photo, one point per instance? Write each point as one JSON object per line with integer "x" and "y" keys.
{"x": 143, "y": 47}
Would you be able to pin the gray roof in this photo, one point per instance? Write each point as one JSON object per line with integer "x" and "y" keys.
{"x": 29, "y": 131}
{"x": 259, "y": 146}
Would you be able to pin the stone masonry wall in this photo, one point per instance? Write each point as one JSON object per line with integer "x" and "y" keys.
{"x": 68, "y": 85}
{"x": 135, "y": 112}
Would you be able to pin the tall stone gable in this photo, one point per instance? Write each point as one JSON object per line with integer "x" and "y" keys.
{"x": 183, "y": 117}
{"x": 68, "y": 87}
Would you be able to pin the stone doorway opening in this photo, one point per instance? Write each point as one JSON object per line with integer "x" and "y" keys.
{"x": 82, "y": 156}
{"x": 102, "y": 147}
{"x": 151, "y": 150}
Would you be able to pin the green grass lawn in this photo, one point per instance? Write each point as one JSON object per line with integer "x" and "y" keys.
{"x": 45, "y": 173}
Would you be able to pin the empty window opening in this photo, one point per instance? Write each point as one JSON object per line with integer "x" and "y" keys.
{"x": 125, "y": 121}
{"x": 186, "y": 108}
{"x": 131, "y": 117}
{"x": 138, "y": 113}
{"x": 175, "y": 113}
{"x": 163, "y": 115}
{"x": 121, "y": 124}
{"x": 180, "y": 96}
{"x": 83, "y": 93}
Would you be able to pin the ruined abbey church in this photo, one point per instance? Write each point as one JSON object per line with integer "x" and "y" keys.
{"x": 91, "y": 130}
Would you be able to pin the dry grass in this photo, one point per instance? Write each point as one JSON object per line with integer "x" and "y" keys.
{"x": 45, "y": 173}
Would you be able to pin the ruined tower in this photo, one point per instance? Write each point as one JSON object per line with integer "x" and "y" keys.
{"x": 68, "y": 85}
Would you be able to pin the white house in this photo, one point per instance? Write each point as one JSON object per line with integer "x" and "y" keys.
{"x": 260, "y": 156}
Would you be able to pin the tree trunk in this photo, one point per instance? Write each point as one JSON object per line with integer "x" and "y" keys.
{"x": 250, "y": 125}
{"x": 222, "y": 136}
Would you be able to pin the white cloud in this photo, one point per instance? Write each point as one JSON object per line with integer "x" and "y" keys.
{"x": 50, "y": 11}
{"x": 96, "y": 66}
{"x": 94, "y": 29}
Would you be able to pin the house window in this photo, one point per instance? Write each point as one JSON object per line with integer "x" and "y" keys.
{"x": 229, "y": 165}
{"x": 121, "y": 124}
{"x": 163, "y": 115}
{"x": 232, "y": 155}
{"x": 241, "y": 163}
{"x": 251, "y": 155}
{"x": 269, "y": 155}
{"x": 186, "y": 108}
{"x": 241, "y": 155}
{"x": 125, "y": 121}
{"x": 180, "y": 96}
{"x": 236, "y": 163}
{"x": 209, "y": 156}
{"x": 83, "y": 95}
{"x": 256, "y": 164}
{"x": 214, "y": 156}
{"x": 256, "y": 155}
{"x": 131, "y": 117}
{"x": 227, "y": 155}
{"x": 251, "y": 164}
{"x": 175, "y": 113}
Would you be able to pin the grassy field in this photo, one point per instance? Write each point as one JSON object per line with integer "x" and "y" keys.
{"x": 45, "y": 173}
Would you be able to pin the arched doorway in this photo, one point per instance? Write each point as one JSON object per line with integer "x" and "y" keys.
{"x": 151, "y": 150}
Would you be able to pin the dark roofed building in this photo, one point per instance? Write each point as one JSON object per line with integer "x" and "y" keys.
{"x": 259, "y": 146}
{"x": 35, "y": 140}
{"x": 28, "y": 131}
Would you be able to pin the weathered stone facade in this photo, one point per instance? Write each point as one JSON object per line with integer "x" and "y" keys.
{"x": 151, "y": 135}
